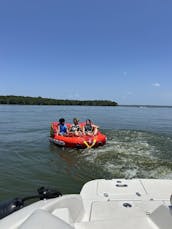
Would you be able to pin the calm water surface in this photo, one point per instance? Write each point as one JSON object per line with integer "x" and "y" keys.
{"x": 139, "y": 145}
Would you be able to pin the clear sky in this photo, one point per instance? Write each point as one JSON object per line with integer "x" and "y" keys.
{"x": 117, "y": 50}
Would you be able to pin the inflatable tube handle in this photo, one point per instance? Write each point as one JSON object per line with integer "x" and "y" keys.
{"x": 90, "y": 146}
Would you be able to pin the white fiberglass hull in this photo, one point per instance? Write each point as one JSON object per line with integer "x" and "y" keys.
{"x": 116, "y": 203}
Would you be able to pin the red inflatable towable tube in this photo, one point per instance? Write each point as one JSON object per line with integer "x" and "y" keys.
{"x": 79, "y": 142}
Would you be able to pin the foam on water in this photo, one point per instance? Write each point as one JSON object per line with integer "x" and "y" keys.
{"x": 131, "y": 154}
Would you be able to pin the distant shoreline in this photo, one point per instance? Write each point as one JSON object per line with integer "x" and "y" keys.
{"x": 147, "y": 106}
{"x": 27, "y": 100}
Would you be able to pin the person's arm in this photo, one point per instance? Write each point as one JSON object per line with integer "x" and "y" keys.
{"x": 95, "y": 129}
{"x": 83, "y": 130}
{"x": 67, "y": 130}
{"x": 80, "y": 128}
{"x": 70, "y": 128}
{"x": 95, "y": 126}
{"x": 58, "y": 129}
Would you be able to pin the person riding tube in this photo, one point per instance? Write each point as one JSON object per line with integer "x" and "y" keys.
{"x": 75, "y": 129}
{"x": 89, "y": 128}
{"x": 62, "y": 128}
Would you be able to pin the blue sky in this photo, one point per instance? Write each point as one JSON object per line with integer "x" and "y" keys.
{"x": 93, "y": 49}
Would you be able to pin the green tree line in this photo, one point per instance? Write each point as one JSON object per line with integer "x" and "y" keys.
{"x": 27, "y": 100}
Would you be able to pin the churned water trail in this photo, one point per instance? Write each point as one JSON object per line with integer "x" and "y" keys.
{"x": 131, "y": 154}
{"x": 139, "y": 145}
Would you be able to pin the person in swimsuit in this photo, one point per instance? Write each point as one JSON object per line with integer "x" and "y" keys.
{"x": 75, "y": 129}
{"x": 62, "y": 128}
{"x": 89, "y": 128}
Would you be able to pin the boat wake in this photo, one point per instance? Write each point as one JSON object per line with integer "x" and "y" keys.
{"x": 131, "y": 154}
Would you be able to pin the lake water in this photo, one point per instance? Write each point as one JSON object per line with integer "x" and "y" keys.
{"x": 139, "y": 145}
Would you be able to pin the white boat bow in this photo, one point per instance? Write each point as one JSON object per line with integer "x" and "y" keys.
{"x": 110, "y": 204}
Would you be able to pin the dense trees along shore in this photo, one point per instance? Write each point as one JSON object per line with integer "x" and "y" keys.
{"x": 27, "y": 100}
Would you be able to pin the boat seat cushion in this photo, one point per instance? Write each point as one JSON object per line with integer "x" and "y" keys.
{"x": 162, "y": 217}
{"x": 41, "y": 219}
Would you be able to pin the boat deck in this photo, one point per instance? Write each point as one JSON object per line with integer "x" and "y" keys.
{"x": 116, "y": 203}
{"x": 121, "y": 203}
